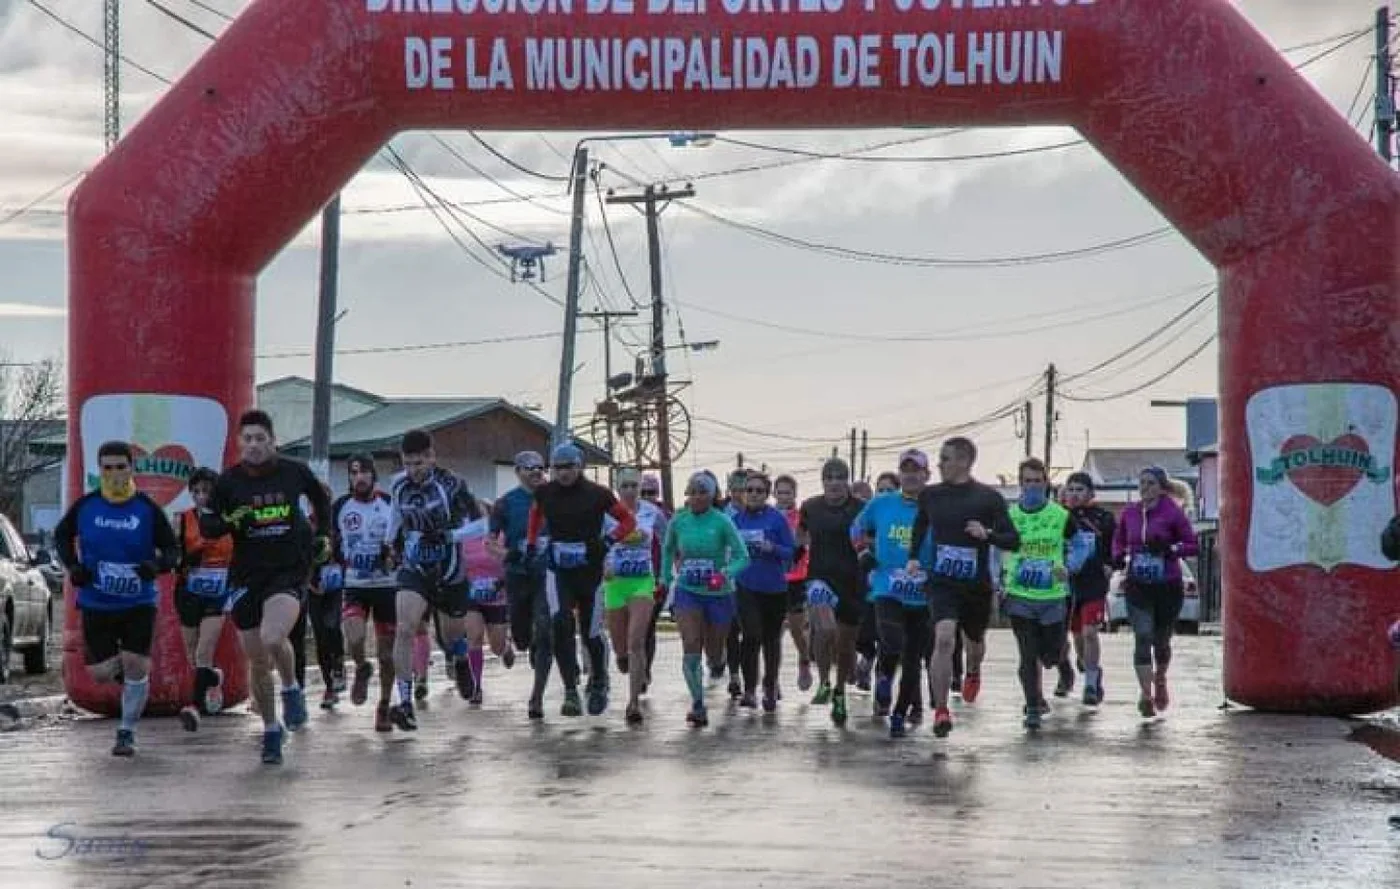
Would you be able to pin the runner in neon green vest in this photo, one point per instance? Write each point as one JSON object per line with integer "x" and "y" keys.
{"x": 1037, "y": 583}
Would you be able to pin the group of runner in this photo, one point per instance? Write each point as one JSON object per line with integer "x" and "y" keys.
{"x": 901, "y": 582}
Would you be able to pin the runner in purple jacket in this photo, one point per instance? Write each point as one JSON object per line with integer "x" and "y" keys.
{"x": 1149, "y": 543}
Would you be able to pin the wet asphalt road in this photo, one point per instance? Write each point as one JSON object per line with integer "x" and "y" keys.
{"x": 482, "y": 798}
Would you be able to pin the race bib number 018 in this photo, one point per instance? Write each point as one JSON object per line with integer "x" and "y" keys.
{"x": 570, "y": 555}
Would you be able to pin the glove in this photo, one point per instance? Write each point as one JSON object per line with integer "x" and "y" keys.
{"x": 80, "y": 576}
{"x": 1157, "y": 546}
{"x": 147, "y": 571}
{"x": 868, "y": 562}
{"x": 320, "y": 549}
{"x": 716, "y": 582}
{"x": 514, "y": 557}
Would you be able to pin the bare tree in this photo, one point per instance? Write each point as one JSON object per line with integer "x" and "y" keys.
{"x": 31, "y": 407}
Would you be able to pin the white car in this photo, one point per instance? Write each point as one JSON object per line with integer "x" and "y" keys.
{"x": 26, "y": 611}
{"x": 1190, "y": 620}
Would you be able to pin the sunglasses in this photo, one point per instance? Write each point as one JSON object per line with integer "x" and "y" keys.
{"x": 624, "y": 485}
{"x": 116, "y": 467}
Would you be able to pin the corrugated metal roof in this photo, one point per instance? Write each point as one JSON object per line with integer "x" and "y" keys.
{"x": 385, "y": 425}
{"x": 1122, "y": 465}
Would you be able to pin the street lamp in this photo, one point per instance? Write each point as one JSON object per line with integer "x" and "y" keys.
{"x": 578, "y": 184}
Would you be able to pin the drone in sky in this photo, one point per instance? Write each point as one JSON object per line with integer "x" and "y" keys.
{"x": 525, "y": 258}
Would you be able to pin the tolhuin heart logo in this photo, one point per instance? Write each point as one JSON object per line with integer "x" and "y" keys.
{"x": 1324, "y": 472}
{"x": 163, "y": 474}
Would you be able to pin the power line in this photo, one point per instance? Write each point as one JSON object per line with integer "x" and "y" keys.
{"x": 612, "y": 245}
{"x": 20, "y": 211}
{"x": 1150, "y": 383}
{"x": 175, "y": 16}
{"x": 95, "y": 42}
{"x": 511, "y": 162}
{"x": 210, "y": 9}
{"x": 462, "y": 159}
{"x": 933, "y": 159}
{"x": 419, "y": 347}
{"x": 1171, "y": 322}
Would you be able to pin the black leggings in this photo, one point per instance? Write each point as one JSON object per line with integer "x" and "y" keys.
{"x": 734, "y": 649}
{"x": 762, "y": 615}
{"x": 906, "y": 636}
{"x": 298, "y": 640}
{"x": 1152, "y": 610}
{"x": 323, "y": 613}
{"x": 656, "y": 610}
{"x": 1040, "y": 646}
{"x": 579, "y": 589}
{"x": 868, "y": 637}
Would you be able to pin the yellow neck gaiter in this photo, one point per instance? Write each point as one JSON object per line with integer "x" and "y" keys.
{"x": 114, "y": 493}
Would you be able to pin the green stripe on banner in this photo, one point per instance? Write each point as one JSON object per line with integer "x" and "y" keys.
{"x": 1327, "y": 418}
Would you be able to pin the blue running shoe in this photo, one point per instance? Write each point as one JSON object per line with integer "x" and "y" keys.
{"x": 884, "y": 690}
{"x": 294, "y": 709}
{"x": 272, "y": 747}
{"x": 897, "y": 725}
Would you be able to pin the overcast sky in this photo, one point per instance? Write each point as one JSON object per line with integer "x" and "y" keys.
{"x": 405, "y": 282}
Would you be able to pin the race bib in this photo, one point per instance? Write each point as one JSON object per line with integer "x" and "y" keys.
{"x": 632, "y": 561}
{"x": 420, "y": 553}
{"x": 908, "y": 588}
{"x": 820, "y": 595}
{"x": 570, "y": 555}
{"x": 366, "y": 563}
{"x": 117, "y": 579}
{"x": 955, "y": 562}
{"x": 1035, "y": 574}
{"x": 486, "y": 590}
{"x": 210, "y": 583}
{"x": 1147, "y": 568}
{"x": 753, "y": 539}
{"x": 1082, "y": 547}
{"x": 332, "y": 578}
{"x": 697, "y": 572}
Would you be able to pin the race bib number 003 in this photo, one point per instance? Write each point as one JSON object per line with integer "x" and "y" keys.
{"x": 955, "y": 562}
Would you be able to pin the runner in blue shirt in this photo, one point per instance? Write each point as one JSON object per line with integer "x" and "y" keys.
{"x": 113, "y": 542}
{"x": 882, "y": 534}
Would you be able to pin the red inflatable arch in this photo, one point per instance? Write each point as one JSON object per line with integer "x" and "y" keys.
{"x": 169, "y": 233}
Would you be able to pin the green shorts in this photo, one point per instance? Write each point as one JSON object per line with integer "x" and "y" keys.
{"x": 618, "y": 591}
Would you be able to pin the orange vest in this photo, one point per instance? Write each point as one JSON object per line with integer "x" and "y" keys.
{"x": 214, "y": 553}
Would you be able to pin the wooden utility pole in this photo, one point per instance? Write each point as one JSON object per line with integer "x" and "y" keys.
{"x": 653, "y": 200}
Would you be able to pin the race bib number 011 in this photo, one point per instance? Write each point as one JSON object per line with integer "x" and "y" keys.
{"x": 1035, "y": 574}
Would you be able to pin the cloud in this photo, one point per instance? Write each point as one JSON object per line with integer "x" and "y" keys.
{"x": 26, "y": 310}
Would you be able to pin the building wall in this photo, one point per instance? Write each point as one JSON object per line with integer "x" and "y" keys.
{"x": 43, "y": 501}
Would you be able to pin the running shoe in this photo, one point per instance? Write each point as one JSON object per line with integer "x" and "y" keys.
{"x": 536, "y": 709}
{"x": 382, "y": 723}
{"x": 189, "y": 719}
{"x": 1160, "y": 698}
{"x": 1044, "y": 706}
{"x": 897, "y": 729}
{"x": 623, "y": 664}
{"x": 955, "y": 686}
{"x": 338, "y": 681}
{"x": 294, "y": 708}
{"x": 916, "y": 716}
{"x": 971, "y": 687}
{"x": 823, "y": 695}
{"x": 359, "y": 691}
{"x": 214, "y": 694}
{"x": 1146, "y": 708}
{"x": 942, "y": 722}
{"x": 770, "y": 702}
{"x": 634, "y": 714}
{"x": 477, "y": 696}
{"x": 572, "y": 706}
{"x": 420, "y": 687}
{"x": 736, "y": 691}
{"x": 272, "y": 746}
{"x": 697, "y": 717}
{"x": 466, "y": 681}
{"x": 717, "y": 672}
{"x": 1066, "y": 683}
{"x": 838, "y": 709}
{"x": 597, "y": 700}
{"x": 508, "y": 657}
{"x": 330, "y": 698}
{"x": 884, "y": 692}
{"x": 126, "y": 743}
{"x": 863, "y": 674}
{"x": 1032, "y": 721}
{"x": 804, "y": 676}
{"x": 749, "y": 701}
{"x": 403, "y": 718}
